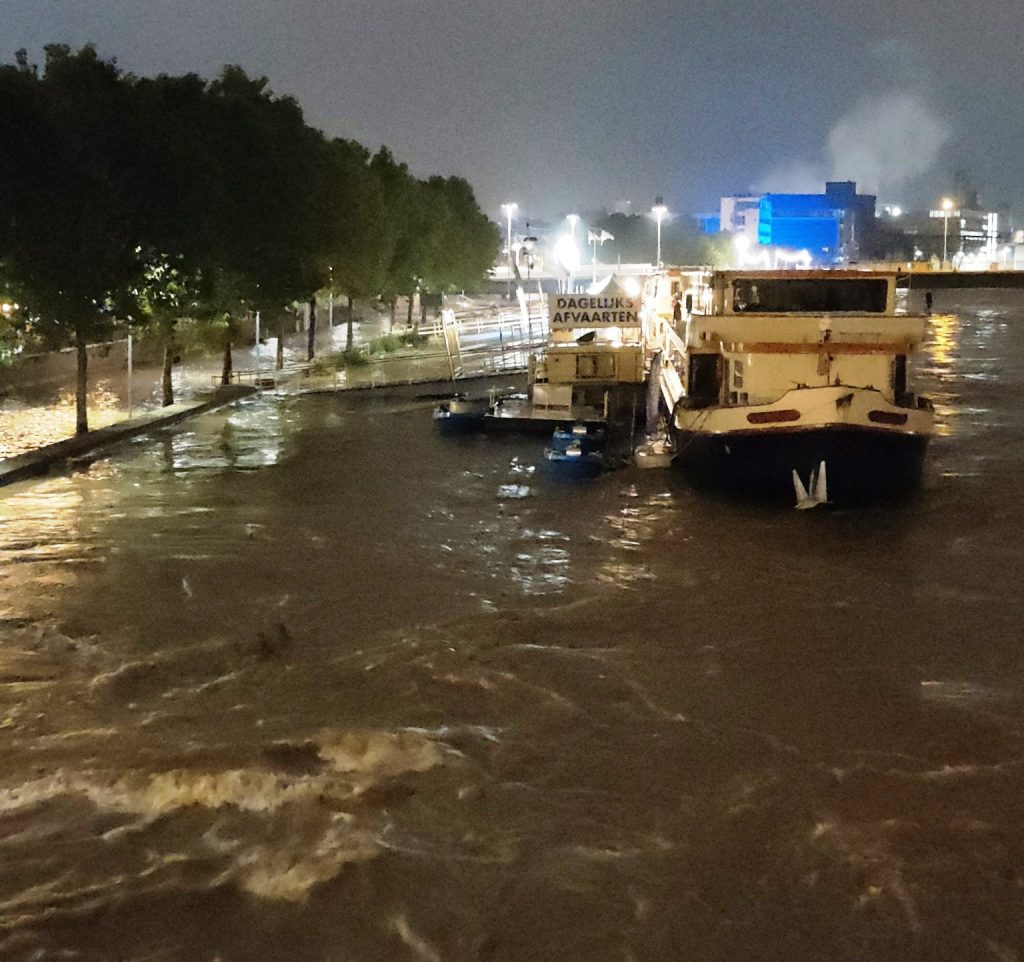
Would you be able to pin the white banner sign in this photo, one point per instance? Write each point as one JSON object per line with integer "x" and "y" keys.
{"x": 584, "y": 310}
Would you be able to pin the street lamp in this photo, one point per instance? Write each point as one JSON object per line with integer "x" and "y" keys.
{"x": 659, "y": 210}
{"x": 573, "y": 220}
{"x": 529, "y": 243}
{"x": 947, "y": 206}
{"x": 508, "y": 210}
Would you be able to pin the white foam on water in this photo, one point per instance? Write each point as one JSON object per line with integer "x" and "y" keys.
{"x": 157, "y": 794}
{"x": 421, "y": 948}
{"x": 289, "y": 875}
{"x": 370, "y": 756}
{"x": 380, "y": 753}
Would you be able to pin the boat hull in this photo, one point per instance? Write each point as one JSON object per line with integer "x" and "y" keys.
{"x": 589, "y": 439}
{"x": 563, "y": 466}
{"x": 864, "y": 465}
{"x": 460, "y": 415}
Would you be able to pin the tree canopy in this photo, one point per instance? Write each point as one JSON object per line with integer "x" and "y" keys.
{"x": 682, "y": 241}
{"x": 128, "y": 199}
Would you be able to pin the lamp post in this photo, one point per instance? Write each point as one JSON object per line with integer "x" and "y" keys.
{"x": 129, "y": 373}
{"x": 573, "y": 220}
{"x": 259, "y": 378}
{"x": 947, "y": 206}
{"x": 508, "y": 210}
{"x": 659, "y": 210}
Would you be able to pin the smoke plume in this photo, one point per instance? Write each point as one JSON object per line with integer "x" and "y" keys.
{"x": 883, "y": 143}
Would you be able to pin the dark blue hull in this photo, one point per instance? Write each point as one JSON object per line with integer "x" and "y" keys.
{"x": 591, "y": 440}
{"x": 863, "y": 465}
{"x": 460, "y": 416}
{"x": 567, "y": 467}
{"x": 458, "y": 423}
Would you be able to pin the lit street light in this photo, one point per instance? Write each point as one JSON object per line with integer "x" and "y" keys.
{"x": 947, "y": 206}
{"x": 508, "y": 210}
{"x": 659, "y": 210}
{"x": 573, "y": 220}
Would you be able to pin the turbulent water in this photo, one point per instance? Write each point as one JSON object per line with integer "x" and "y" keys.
{"x": 303, "y": 681}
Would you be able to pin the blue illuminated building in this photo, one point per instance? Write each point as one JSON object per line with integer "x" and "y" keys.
{"x": 801, "y": 222}
{"x": 834, "y": 227}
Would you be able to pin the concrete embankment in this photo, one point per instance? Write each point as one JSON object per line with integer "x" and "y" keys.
{"x": 41, "y": 460}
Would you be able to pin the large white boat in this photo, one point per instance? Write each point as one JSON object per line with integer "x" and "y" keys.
{"x": 767, "y": 373}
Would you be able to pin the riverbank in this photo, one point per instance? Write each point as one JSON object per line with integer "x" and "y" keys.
{"x": 42, "y": 459}
{"x": 37, "y": 415}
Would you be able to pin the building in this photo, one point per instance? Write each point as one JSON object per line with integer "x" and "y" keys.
{"x": 739, "y": 214}
{"x": 836, "y": 226}
{"x": 952, "y": 232}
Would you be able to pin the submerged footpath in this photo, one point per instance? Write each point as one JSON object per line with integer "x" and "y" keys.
{"x": 43, "y": 459}
{"x": 423, "y": 383}
{"x": 412, "y": 372}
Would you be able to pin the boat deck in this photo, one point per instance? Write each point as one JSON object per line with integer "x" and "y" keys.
{"x": 519, "y": 414}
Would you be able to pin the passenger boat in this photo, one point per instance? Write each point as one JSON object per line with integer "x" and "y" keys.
{"x": 594, "y": 351}
{"x": 773, "y": 374}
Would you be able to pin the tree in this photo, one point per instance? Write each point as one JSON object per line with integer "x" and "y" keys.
{"x": 70, "y": 240}
{"x": 272, "y": 212}
{"x": 168, "y": 292}
{"x": 406, "y": 220}
{"x": 465, "y": 242}
{"x": 682, "y": 241}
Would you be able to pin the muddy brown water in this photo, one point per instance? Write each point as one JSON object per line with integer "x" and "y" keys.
{"x": 304, "y": 681}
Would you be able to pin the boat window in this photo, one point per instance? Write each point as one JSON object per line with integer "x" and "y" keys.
{"x": 737, "y": 374}
{"x": 820, "y": 295}
{"x": 703, "y": 381}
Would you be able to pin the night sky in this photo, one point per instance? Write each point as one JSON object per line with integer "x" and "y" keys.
{"x": 579, "y": 104}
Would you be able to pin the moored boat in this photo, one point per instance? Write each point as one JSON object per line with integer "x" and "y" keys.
{"x": 775, "y": 372}
{"x": 460, "y": 414}
{"x": 590, "y": 437}
{"x": 572, "y": 463}
{"x": 654, "y": 452}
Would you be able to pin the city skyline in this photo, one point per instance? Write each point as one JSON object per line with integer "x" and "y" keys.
{"x": 599, "y": 105}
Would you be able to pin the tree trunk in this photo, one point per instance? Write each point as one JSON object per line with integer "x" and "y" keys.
{"x": 349, "y": 329}
{"x": 394, "y": 307}
{"x": 81, "y": 407}
{"x": 423, "y": 310}
{"x": 169, "y": 347}
{"x": 225, "y": 377}
{"x": 311, "y": 339}
{"x": 279, "y": 361}
{"x": 408, "y": 316}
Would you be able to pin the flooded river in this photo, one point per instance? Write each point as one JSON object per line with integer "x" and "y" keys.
{"x": 303, "y": 681}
